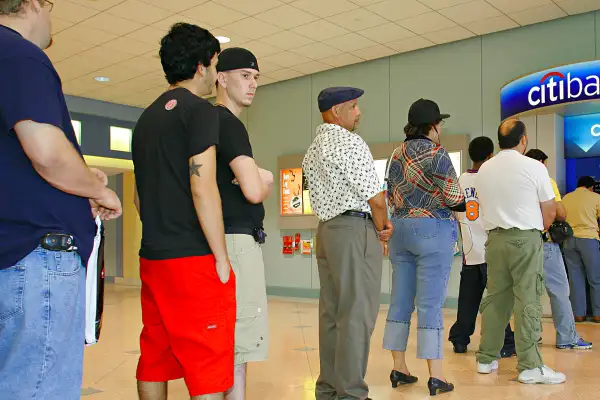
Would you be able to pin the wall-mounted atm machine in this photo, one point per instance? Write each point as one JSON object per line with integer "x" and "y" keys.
{"x": 561, "y": 108}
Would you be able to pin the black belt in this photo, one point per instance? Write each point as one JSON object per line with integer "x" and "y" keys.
{"x": 258, "y": 234}
{"x": 358, "y": 214}
{"x": 58, "y": 242}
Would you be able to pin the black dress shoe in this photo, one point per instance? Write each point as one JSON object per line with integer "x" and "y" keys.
{"x": 460, "y": 348}
{"x": 399, "y": 378}
{"x": 436, "y": 386}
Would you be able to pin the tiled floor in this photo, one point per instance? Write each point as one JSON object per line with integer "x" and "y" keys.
{"x": 293, "y": 365}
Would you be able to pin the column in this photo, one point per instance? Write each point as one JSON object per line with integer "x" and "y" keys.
{"x": 132, "y": 231}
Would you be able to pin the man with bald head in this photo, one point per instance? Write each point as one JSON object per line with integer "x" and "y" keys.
{"x": 347, "y": 197}
{"x": 517, "y": 204}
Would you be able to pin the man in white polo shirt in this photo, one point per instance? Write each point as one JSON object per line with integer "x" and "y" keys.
{"x": 517, "y": 201}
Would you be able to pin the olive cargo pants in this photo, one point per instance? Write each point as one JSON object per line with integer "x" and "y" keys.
{"x": 350, "y": 258}
{"x": 515, "y": 261}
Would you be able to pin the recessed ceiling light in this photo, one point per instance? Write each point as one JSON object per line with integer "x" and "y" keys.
{"x": 223, "y": 39}
{"x": 102, "y": 79}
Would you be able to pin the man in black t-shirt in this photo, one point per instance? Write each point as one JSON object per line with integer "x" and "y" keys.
{"x": 243, "y": 188}
{"x": 188, "y": 295}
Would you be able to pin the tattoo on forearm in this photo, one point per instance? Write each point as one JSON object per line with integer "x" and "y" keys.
{"x": 195, "y": 168}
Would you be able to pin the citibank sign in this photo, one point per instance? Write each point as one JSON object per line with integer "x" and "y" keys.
{"x": 561, "y": 85}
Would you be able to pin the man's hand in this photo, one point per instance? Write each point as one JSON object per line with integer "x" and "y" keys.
{"x": 101, "y": 175}
{"x": 108, "y": 206}
{"x": 386, "y": 233}
{"x": 104, "y": 179}
{"x": 385, "y": 248}
{"x": 223, "y": 270}
{"x": 266, "y": 176}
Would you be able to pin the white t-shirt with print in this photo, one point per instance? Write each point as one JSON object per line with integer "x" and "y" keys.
{"x": 472, "y": 230}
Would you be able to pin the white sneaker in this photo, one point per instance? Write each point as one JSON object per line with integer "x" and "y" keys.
{"x": 542, "y": 375}
{"x": 487, "y": 368}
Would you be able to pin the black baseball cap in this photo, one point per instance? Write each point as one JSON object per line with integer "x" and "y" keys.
{"x": 234, "y": 58}
{"x": 423, "y": 112}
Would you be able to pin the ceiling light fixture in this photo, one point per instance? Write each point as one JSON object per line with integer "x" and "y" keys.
{"x": 102, "y": 79}
{"x": 223, "y": 39}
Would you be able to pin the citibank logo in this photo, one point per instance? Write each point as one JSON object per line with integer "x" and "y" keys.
{"x": 554, "y": 86}
{"x": 566, "y": 84}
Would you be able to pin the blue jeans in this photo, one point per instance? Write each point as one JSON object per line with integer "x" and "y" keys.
{"x": 42, "y": 308}
{"x": 557, "y": 286}
{"x": 583, "y": 260}
{"x": 421, "y": 252}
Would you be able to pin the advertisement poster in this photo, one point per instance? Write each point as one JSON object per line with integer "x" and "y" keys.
{"x": 305, "y": 196}
{"x": 291, "y": 191}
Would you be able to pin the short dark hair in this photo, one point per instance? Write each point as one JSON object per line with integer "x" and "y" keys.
{"x": 586, "y": 182}
{"x": 8, "y": 7}
{"x": 537, "y": 154}
{"x": 510, "y": 133}
{"x": 183, "y": 48}
{"x": 481, "y": 148}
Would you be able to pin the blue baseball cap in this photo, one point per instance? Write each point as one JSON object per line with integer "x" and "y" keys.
{"x": 337, "y": 95}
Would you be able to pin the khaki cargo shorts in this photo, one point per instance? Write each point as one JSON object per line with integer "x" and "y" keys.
{"x": 252, "y": 322}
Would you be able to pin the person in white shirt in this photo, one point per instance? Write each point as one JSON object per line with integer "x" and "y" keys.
{"x": 473, "y": 277}
{"x": 347, "y": 197}
{"x": 517, "y": 203}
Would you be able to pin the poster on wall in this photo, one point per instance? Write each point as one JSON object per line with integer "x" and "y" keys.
{"x": 455, "y": 157}
{"x": 291, "y": 191}
{"x": 307, "y": 209}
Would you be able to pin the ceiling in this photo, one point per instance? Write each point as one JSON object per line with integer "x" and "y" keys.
{"x": 119, "y": 39}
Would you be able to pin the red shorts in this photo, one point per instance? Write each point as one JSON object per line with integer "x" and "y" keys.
{"x": 189, "y": 324}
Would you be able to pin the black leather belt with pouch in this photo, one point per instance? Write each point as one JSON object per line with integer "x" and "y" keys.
{"x": 58, "y": 242}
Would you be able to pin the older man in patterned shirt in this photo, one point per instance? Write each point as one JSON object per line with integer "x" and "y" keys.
{"x": 346, "y": 196}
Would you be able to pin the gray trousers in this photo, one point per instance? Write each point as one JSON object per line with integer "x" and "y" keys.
{"x": 582, "y": 257}
{"x": 349, "y": 257}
